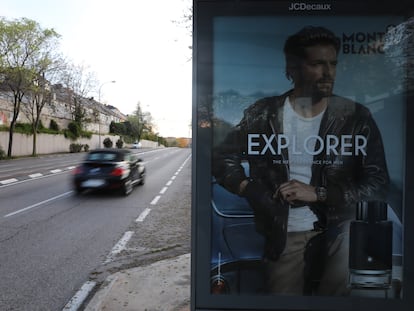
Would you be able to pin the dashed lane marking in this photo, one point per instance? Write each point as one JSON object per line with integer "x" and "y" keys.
{"x": 11, "y": 181}
{"x": 37, "y": 175}
{"x": 8, "y": 181}
{"x": 155, "y": 200}
{"x": 80, "y": 296}
{"x": 143, "y": 215}
{"x": 120, "y": 246}
{"x": 77, "y": 300}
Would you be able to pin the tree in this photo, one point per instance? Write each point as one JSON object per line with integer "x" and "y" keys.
{"x": 21, "y": 46}
{"x": 133, "y": 127}
{"x": 139, "y": 122}
{"x": 79, "y": 81}
{"x": 118, "y": 128}
{"x": 182, "y": 142}
{"x": 40, "y": 92}
{"x": 186, "y": 20}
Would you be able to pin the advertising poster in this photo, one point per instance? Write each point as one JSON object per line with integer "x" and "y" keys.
{"x": 302, "y": 115}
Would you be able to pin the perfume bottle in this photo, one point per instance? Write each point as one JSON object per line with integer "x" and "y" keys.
{"x": 370, "y": 250}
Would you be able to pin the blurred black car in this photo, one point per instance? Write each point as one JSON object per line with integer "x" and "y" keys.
{"x": 109, "y": 169}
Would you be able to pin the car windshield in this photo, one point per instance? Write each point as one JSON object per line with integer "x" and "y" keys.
{"x": 104, "y": 156}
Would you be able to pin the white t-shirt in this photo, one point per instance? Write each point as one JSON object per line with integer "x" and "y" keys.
{"x": 299, "y": 129}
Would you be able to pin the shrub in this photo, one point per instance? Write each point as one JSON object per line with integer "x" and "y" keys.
{"x": 53, "y": 125}
{"x": 74, "y": 130}
{"x": 108, "y": 143}
{"x": 68, "y": 134}
{"x": 119, "y": 143}
{"x": 86, "y": 147}
{"x": 75, "y": 148}
{"x": 24, "y": 128}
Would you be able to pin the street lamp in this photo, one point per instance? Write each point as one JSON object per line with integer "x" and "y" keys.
{"x": 99, "y": 116}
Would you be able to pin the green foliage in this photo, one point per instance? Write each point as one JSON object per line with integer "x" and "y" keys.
{"x": 79, "y": 112}
{"x": 163, "y": 141}
{"x": 74, "y": 131}
{"x": 118, "y": 128}
{"x": 137, "y": 127}
{"x": 108, "y": 143}
{"x": 53, "y": 125}
{"x": 68, "y": 134}
{"x": 26, "y": 128}
{"x": 119, "y": 143}
{"x": 86, "y": 134}
{"x": 26, "y": 49}
{"x": 75, "y": 148}
{"x": 86, "y": 147}
{"x": 23, "y": 128}
{"x": 48, "y": 131}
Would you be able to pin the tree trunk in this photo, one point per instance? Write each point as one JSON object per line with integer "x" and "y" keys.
{"x": 34, "y": 142}
{"x": 11, "y": 130}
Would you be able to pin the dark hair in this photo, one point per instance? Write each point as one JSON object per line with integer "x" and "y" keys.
{"x": 309, "y": 36}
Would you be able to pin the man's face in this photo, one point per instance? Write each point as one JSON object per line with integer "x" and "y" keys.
{"x": 316, "y": 74}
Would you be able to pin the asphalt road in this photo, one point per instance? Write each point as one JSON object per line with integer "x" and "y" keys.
{"x": 53, "y": 242}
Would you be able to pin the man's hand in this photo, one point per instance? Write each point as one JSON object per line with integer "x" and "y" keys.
{"x": 295, "y": 191}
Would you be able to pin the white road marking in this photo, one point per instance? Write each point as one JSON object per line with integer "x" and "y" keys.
{"x": 37, "y": 204}
{"x": 35, "y": 175}
{"x": 14, "y": 181}
{"x": 120, "y": 246}
{"x": 155, "y": 200}
{"x": 79, "y": 297}
{"x": 8, "y": 181}
{"x": 143, "y": 215}
{"x": 82, "y": 294}
{"x": 56, "y": 171}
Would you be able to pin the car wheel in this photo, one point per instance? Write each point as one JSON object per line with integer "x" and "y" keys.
{"x": 78, "y": 190}
{"x": 142, "y": 178}
{"x": 127, "y": 188}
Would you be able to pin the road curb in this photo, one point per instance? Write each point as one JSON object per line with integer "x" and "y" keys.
{"x": 163, "y": 285}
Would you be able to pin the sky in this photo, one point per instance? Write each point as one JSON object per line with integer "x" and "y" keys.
{"x": 132, "y": 42}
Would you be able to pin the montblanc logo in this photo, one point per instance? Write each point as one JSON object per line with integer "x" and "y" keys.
{"x": 301, "y": 6}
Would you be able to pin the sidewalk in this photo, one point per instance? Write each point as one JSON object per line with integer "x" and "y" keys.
{"x": 161, "y": 286}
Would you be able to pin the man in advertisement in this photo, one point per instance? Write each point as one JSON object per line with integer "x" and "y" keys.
{"x": 312, "y": 157}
